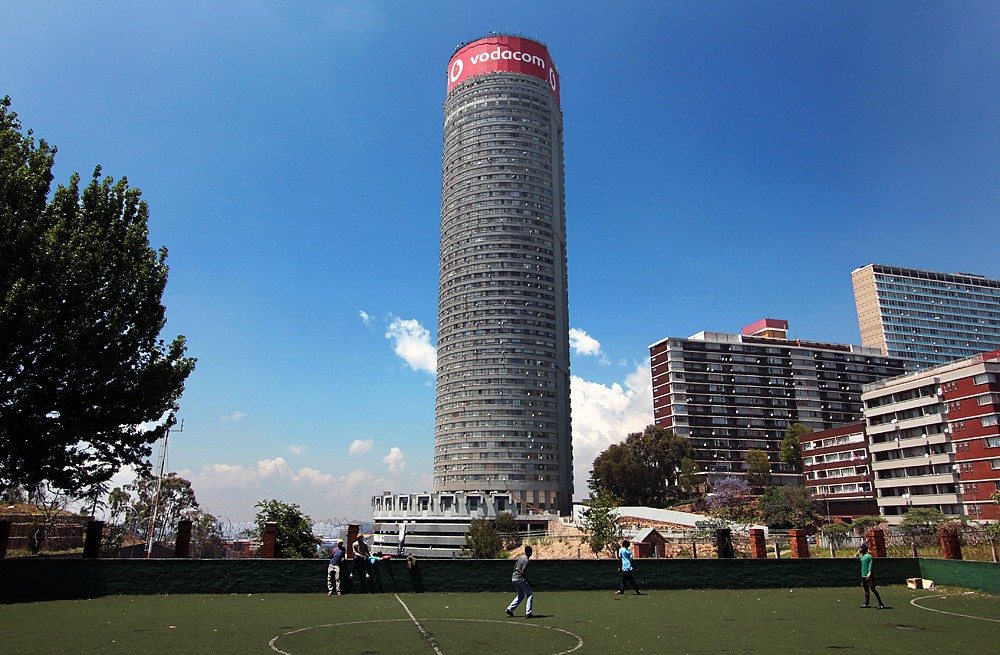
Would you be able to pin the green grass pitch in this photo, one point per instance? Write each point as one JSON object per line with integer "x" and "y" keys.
{"x": 692, "y": 621}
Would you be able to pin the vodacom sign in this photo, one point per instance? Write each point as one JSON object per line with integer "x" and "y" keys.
{"x": 509, "y": 54}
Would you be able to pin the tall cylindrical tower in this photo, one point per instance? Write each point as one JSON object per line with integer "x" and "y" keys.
{"x": 502, "y": 418}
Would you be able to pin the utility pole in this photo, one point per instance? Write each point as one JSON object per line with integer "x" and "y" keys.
{"x": 159, "y": 486}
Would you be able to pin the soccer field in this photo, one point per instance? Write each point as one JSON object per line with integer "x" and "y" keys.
{"x": 689, "y": 621}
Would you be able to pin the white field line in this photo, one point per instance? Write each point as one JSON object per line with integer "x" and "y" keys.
{"x": 964, "y": 616}
{"x": 579, "y": 639}
{"x": 429, "y": 639}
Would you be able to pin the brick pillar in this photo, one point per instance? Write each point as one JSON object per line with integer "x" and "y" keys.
{"x": 875, "y": 539}
{"x": 92, "y": 542}
{"x": 182, "y": 546}
{"x": 270, "y": 547}
{"x": 799, "y": 544}
{"x": 951, "y": 547}
{"x": 758, "y": 549}
{"x": 4, "y": 537}
{"x": 724, "y": 543}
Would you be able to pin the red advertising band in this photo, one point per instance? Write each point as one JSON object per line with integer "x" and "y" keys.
{"x": 507, "y": 54}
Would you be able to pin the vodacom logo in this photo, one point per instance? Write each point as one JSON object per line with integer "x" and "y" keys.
{"x": 456, "y": 70}
{"x": 552, "y": 78}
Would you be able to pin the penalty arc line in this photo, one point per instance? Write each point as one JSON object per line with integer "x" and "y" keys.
{"x": 964, "y": 616}
{"x": 429, "y": 639}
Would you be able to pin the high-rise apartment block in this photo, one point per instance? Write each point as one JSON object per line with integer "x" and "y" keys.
{"x": 934, "y": 439}
{"x": 729, "y": 393}
{"x": 930, "y": 318}
{"x": 502, "y": 420}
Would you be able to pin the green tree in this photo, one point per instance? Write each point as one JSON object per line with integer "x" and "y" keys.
{"x": 483, "y": 540}
{"x": 687, "y": 477}
{"x": 788, "y": 506}
{"x": 600, "y": 523}
{"x": 82, "y": 368}
{"x": 921, "y": 521}
{"x": 863, "y": 523}
{"x": 206, "y": 537}
{"x": 641, "y": 469}
{"x": 295, "y": 538}
{"x": 791, "y": 445}
{"x": 837, "y": 534}
{"x": 134, "y": 503}
{"x": 758, "y": 468}
{"x": 506, "y": 525}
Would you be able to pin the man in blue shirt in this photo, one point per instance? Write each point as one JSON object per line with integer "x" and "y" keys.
{"x": 625, "y": 555}
{"x": 333, "y": 570}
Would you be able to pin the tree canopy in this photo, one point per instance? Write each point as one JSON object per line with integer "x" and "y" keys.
{"x": 758, "y": 468}
{"x": 731, "y": 502}
{"x": 641, "y": 469}
{"x": 83, "y": 371}
{"x": 788, "y": 506}
{"x": 791, "y": 445}
{"x": 295, "y": 538}
{"x": 600, "y": 523}
{"x": 483, "y": 540}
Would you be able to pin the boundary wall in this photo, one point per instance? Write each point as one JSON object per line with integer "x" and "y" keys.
{"x": 982, "y": 576}
{"x": 53, "y": 579}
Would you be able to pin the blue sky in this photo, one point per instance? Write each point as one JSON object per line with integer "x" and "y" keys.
{"x": 724, "y": 162}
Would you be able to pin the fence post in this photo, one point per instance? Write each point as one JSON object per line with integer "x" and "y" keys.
{"x": 182, "y": 545}
{"x": 876, "y": 542}
{"x": 4, "y": 537}
{"x": 92, "y": 542}
{"x": 724, "y": 544}
{"x": 798, "y": 543}
{"x": 269, "y": 548}
{"x": 951, "y": 547}
{"x": 758, "y": 549}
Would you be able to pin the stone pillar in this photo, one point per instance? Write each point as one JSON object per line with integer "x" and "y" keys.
{"x": 798, "y": 544}
{"x": 875, "y": 539}
{"x": 182, "y": 545}
{"x": 758, "y": 549}
{"x": 951, "y": 547}
{"x": 4, "y": 537}
{"x": 92, "y": 542}
{"x": 270, "y": 548}
{"x": 724, "y": 543}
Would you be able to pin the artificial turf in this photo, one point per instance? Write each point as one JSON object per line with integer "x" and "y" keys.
{"x": 815, "y": 620}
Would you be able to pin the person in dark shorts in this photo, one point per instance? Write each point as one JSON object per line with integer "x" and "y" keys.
{"x": 867, "y": 580}
{"x": 625, "y": 555}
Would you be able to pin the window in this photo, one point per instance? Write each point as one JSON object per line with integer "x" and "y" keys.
{"x": 993, "y": 442}
{"x": 995, "y": 464}
{"x": 982, "y": 378}
{"x": 989, "y": 420}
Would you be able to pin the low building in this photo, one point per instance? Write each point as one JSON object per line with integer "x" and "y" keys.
{"x": 934, "y": 439}
{"x": 836, "y": 466}
{"x": 434, "y": 524}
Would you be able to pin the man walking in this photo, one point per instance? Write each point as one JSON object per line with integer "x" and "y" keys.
{"x": 867, "y": 580}
{"x": 625, "y": 555}
{"x": 521, "y": 584}
{"x": 333, "y": 570}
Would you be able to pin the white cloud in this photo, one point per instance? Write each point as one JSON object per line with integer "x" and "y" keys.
{"x": 604, "y": 415}
{"x": 359, "y": 446}
{"x": 584, "y": 344}
{"x": 411, "y": 341}
{"x": 365, "y": 317}
{"x": 235, "y": 416}
{"x": 273, "y": 467}
{"x": 394, "y": 460}
{"x": 296, "y": 450}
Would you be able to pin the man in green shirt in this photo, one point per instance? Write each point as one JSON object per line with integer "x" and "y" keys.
{"x": 867, "y": 581}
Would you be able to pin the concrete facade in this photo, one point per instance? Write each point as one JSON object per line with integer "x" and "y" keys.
{"x": 930, "y": 318}
{"x": 502, "y": 420}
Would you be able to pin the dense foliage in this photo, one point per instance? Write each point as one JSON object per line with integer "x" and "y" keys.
{"x": 295, "y": 538}
{"x": 86, "y": 384}
{"x": 791, "y": 445}
{"x": 600, "y": 523}
{"x": 788, "y": 507}
{"x": 641, "y": 469}
{"x": 483, "y": 540}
